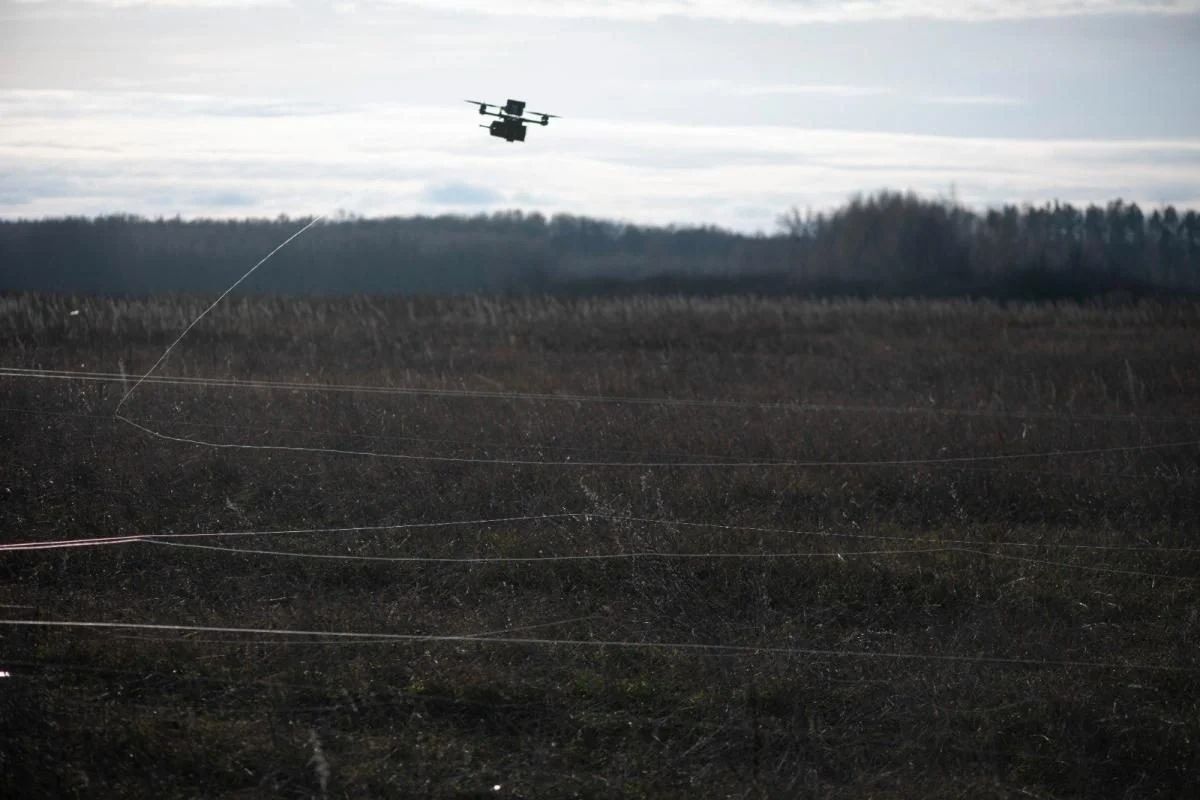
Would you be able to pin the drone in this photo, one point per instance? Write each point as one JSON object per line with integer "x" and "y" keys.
{"x": 511, "y": 123}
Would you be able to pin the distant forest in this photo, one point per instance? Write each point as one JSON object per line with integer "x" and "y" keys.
{"x": 884, "y": 244}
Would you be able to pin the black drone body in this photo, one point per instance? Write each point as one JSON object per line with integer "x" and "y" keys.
{"x": 510, "y": 125}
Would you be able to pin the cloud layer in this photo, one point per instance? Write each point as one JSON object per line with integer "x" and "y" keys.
{"x": 785, "y": 12}
{"x": 72, "y": 153}
{"x": 808, "y": 11}
{"x": 301, "y": 106}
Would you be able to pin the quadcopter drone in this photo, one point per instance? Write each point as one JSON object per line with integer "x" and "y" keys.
{"x": 511, "y": 123}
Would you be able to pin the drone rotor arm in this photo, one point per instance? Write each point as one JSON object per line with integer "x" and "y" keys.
{"x": 483, "y": 107}
{"x": 511, "y": 126}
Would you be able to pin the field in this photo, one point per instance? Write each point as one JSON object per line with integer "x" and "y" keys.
{"x": 762, "y": 548}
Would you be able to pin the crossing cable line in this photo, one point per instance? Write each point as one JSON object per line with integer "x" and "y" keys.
{"x": 892, "y": 538}
{"x": 343, "y": 642}
{"x": 665, "y": 556}
{"x": 231, "y": 383}
{"x": 18, "y": 371}
{"x": 697, "y": 647}
{"x": 553, "y": 447}
{"x": 117, "y": 411}
{"x": 1085, "y": 567}
{"x": 767, "y": 464}
{"x": 620, "y": 556}
{"x": 161, "y": 538}
{"x": 137, "y": 537}
{"x": 390, "y": 438}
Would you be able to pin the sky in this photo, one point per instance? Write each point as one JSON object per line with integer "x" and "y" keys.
{"x": 673, "y": 111}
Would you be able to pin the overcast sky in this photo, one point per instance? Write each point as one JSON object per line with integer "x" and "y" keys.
{"x": 684, "y": 111}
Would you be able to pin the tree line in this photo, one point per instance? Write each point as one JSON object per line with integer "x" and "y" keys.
{"x": 904, "y": 242}
{"x": 888, "y": 243}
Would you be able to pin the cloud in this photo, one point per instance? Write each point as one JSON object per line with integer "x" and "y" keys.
{"x": 461, "y": 194}
{"x": 222, "y": 197}
{"x": 811, "y": 11}
{"x": 830, "y": 90}
{"x": 826, "y": 89}
{"x": 381, "y": 159}
{"x": 971, "y": 100}
{"x": 167, "y": 4}
{"x": 67, "y": 103}
{"x": 726, "y": 86}
{"x": 758, "y": 11}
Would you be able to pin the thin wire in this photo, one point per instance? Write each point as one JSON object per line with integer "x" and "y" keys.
{"x": 127, "y": 539}
{"x": 585, "y": 517}
{"x": 343, "y": 642}
{"x": 885, "y": 537}
{"x": 442, "y": 440}
{"x": 515, "y": 462}
{"x": 655, "y": 554}
{"x": 204, "y": 313}
{"x": 560, "y": 448}
{"x": 621, "y": 556}
{"x": 29, "y": 372}
{"x": 373, "y": 436}
{"x": 616, "y": 643}
{"x": 1088, "y": 567}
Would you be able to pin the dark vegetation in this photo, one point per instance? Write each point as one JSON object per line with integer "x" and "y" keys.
{"x": 885, "y": 245}
{"x": 135, "y": 713}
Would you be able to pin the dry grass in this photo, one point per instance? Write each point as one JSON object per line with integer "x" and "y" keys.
{"x": 128, "y": 713}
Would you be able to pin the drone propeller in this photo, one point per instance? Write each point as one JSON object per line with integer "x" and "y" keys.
{"x": 545, "y": 118}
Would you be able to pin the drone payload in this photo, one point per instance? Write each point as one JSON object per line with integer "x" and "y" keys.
{"x": 510, "y": 125}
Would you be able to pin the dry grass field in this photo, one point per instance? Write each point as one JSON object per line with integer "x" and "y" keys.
{"x": 766, "y": 548}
